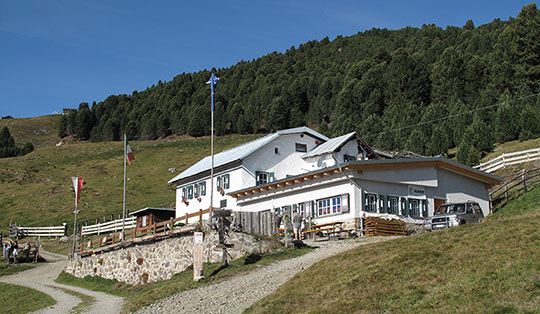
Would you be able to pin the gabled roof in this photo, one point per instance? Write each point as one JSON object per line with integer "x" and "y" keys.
{"x": 241, "y": 152}
{"x": 332, "y": 145}
{"x": 153, "y": 209}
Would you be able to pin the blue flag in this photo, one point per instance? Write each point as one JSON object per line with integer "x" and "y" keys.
{"x": 213, "y": 81}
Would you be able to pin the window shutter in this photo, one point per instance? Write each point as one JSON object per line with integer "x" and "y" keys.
{"x": 271, "y": 177}
{"x": 257, "y": 177}
{"x": 403, "y": 206}
{"x": 184, "y": 193}
{"x": 365, "y": 201}
{"x": 382, "y": 208}
{"x": 218, "y": 183}
{"x": 226, "y": 181}
{"x": 424, "y": 208}
{"x": 197, "y": 190}
{"x": 203, "y": 188}
{"x": 190, "y": 192}
{"x": 345, "y": 203}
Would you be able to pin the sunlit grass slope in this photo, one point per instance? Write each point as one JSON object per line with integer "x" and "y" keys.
{"x": 35, "y": 189}
{"x": 486, "y": 268}
{"x": 40, "y": 131}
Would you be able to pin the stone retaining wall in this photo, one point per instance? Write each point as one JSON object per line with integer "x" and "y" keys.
{"x": 160, "y": 260}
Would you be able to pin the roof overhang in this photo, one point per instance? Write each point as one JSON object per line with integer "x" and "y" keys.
{"x": 153, "y": 209}
{"x": 380, "y": 164}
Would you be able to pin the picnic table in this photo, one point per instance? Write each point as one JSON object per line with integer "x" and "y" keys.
{"x": 329, "y": 229}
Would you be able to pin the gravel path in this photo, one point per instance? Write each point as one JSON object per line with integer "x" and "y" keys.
{"x": 42, "y": 279}
{"x": 239, "y": 293}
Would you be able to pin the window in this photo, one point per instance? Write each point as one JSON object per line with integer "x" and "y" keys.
{"x": 393, "y": 205}
{"x": 414, "y": 207}
{"x": 276, "y": 150}
{"x": 301, "y": 147}
{"x": 223, "y": 203}
{"x": 184, "y": 193}
{"x": 370, "y": 203}
{"x": 218, "y": 185}
{"x": 143, "y": 221}
{"x": 197, "y": 190}
{"x": 345, "y": 203}
{"x": 332, "y": 205}
{"x": 263, "y": 177}
{"x": 347, "y": 158}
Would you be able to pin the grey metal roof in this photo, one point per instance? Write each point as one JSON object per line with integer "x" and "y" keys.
{"x": 330, "y": 146}
{"x": 241, "y": 152}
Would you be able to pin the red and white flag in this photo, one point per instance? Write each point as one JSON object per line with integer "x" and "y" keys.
{"x": 129, "y": 153}
{"x": 77, "y": 186}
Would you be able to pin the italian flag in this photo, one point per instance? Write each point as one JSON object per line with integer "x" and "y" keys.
{"x": 129, "y": 153}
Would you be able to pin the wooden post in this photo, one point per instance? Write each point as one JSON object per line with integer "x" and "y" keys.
{"x": 198, "y": 256}
{"x": 506, "y": 191}
{"x": 200, "y": 219}
{"x": 186, "y": 219}
{"x": 525, "y": 180}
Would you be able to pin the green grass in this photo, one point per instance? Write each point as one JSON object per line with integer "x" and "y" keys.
{"x": 11, "y": 269}
{"x": 86, "y": 300}
{"x": 142, "y": 295}
{"x": 36, "y": 188}
{"x": 492, "y": 267}
{"x": 40, "y": 131}
{"x": 18, "y": 299}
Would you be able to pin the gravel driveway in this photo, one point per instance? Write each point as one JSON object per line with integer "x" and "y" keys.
{"x": 239, "y": 293}
{"x": 42, "y": 279}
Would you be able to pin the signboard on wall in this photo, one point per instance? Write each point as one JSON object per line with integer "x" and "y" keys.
{"x": 416, "y": 191}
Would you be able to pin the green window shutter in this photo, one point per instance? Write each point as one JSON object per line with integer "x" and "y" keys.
{"x": 197, "y": 190}
{"x": 257, "y": 177}
{"x": 203, "y": 188}
{"x": 218, "y": 183}
{"x": 226, "y": 179}
{"x": 184, "y": 193}
{"x": 382, "y": 203}
{"x": 271, "y": 177}
{"x": 365, "y": 201}
{"x": 190, "y": 192}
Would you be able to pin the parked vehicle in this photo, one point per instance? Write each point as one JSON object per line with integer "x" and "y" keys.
{"x": 453, "y": 215}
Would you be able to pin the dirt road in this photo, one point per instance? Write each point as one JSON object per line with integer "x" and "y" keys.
{"x": 42, "y": 279}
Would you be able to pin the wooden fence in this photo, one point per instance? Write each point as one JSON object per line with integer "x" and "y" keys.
{"x": 509, "y": 159}
{"x": 154, "y": 231}
{"x": 516, "y": 183}
{"x": 110, "y": 226}
{"x": 265, "y": 222}
{"x": 52, "y": 231}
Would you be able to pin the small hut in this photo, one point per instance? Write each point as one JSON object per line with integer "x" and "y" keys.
{"x": 151, "y": 215}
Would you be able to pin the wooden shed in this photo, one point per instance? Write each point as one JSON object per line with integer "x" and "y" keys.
{"x": 151, "y": 215}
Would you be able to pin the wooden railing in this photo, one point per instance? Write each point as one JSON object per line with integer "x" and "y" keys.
{"x": 516, "y": 183}
{"x": 110, "y": 226}
{"x": 52, "y": 231}
{"x": 509, "y": 159}
{"x": 148, "y": 232}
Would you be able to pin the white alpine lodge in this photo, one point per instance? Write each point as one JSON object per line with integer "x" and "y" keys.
{"x": 338, "y": 179}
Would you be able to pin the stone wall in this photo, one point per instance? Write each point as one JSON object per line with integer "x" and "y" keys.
{"x": 160, "y": 260}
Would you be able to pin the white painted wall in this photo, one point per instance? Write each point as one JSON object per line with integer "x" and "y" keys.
{"x": 287, "y": 162}
{"x": 461, "y": 189}
{"x": 238, "y": 177}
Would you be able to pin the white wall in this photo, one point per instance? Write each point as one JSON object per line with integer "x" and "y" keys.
{"x": 461, "y": 189}
{"x": 238, "y": 177}
{"x": 287, "y": 162}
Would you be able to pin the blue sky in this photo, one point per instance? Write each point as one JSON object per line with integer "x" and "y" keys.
{"x": 59, "y": 53}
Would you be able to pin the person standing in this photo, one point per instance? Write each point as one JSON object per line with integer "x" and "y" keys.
{"x": 297, "y": 224}
{"x": 36, "y": 251}
{"x": 27, "y": 251}
{"x": 15, "y": 251}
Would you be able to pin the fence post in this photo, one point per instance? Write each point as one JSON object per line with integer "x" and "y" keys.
{"x": 506, "y": 191}
{"x": 186, "y": 219}
{"x": 200, "y": 219}
{"x": 524, "y": 180}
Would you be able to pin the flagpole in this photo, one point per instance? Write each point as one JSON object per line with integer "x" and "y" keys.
{"x": 213, "y": 81}
{"x": 124, "y": 198}
{"x": 75, "y": 223}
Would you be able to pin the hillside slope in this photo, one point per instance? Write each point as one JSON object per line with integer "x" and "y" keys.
{"x": 35, "y": 189}
{"x": 40, "y": 131}
{"x": 492, "y": 267}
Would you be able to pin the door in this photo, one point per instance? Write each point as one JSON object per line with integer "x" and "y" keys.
{"x": 437, "y": 202}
